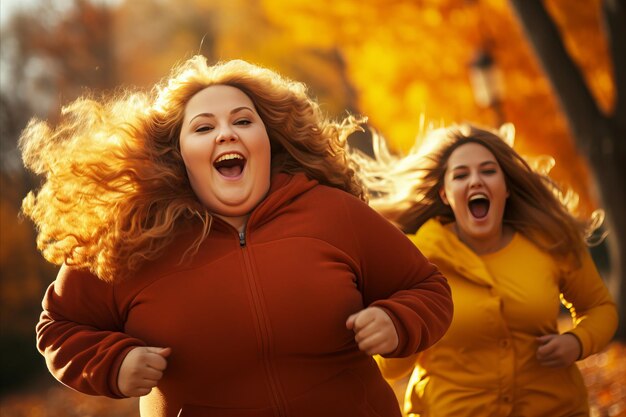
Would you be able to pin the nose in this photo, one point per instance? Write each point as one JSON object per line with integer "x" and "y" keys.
{"x": 226, "y": 134}
{"x": 475, "y": 180}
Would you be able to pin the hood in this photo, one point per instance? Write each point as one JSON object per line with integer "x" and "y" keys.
{"x": 443, "y": 248}
{"x": 284, "y": 188}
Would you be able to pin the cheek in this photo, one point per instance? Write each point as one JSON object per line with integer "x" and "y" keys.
{"x": 500, "y": 185}
{"x": 263, "y": 174}
{"x": 190, "y": 165}
{"x": 452, "y": 196}
{"x": 195, "y": 155}
{"x": 261, "y": 142}
{"x": 186, "y": 152}
{"x": 261, "y": 148}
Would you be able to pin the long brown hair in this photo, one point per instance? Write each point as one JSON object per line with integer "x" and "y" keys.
{"x": 116, "y": 191}
{"x": 536, "y": 207}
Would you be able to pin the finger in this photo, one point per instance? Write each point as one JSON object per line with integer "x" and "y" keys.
{"x": 149, "y": 383}
{"x": 151, "y": 373}
{"x": 153, "y": 349}
{"x": 156, "y": 361}
{"x": 371, "y": 343}
{"x": 140, "y": 392}
{"x": 355, "y": 321}
{"x": 157, "y": 350}
{"x": 377, "y": 339}
{"x": 145, "y": 383}
{"x": 165, "y": 352}
{"x": 366, "y": 332}
{"x": 545, "y": 351}
{"x": 545, "y": 339}
{"x": 548, "y": 349}
{"x": 547, "y": 357}
{"x": 376, "y": 350}
{"x": 552, "y": 363}
{"x": 379, "y": 348}
{"x": 364, "y": 319}
{"x": 350, "y": 321}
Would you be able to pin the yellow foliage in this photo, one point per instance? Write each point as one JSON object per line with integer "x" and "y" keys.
{"x": 394, "y": 61}
{"x": 409, "y": 58}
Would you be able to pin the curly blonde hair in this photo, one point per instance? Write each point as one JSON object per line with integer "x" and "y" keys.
{"x": 116, "y": 190}
{"x": 406, "y": 189}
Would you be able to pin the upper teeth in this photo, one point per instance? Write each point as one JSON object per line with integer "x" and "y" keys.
{"x": 477, "y": 196}
{"x": 229, "y": 156}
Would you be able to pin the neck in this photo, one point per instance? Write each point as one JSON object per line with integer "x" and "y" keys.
{"x": 488, "y": 244}
{"x": 238, "y": 222}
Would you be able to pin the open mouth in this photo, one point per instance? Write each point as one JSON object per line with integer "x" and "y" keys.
{"x": 230, "y": 165}
{"x": 479, "y": 205}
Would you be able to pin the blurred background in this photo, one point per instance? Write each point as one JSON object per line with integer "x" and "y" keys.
{"x": 556, "y": 69}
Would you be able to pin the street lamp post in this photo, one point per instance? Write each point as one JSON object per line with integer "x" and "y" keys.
{"x": 485, "y": 81}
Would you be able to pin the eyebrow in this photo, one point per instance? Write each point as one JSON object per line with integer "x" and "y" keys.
{"x": 482, "y": 164}
{"x": 233, "y": 111}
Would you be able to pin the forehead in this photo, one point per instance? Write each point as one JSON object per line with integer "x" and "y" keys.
{"x": 217, "y": 98}
{"x": 470, "y": 154}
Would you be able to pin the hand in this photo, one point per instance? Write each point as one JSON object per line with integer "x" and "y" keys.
{"x": 373, "y": 331}
{"x": 141, "y": 370}
{"x": 558, "y": 350}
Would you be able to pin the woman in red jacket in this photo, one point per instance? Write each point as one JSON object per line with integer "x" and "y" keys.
{"x": 218, "y": 258}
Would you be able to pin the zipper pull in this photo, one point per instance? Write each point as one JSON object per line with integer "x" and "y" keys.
{"x": 242, "y": 239}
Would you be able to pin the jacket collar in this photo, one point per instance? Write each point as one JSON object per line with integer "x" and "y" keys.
{"x": 284, "y": 188}
{"x": 442, "y": 247}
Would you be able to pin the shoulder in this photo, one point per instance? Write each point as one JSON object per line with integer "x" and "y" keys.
{"x": 71, "y": 276}
{"x": 338, "y": 210}
{"x": 440, "y": 244}
{"x": 322, "y": 194}
{"x": 337, "y": 194}
{"x": 342, "y": 202}
{"x": 430, "y": 233}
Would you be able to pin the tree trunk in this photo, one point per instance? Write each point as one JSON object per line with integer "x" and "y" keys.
{"x": 600, "y": 138}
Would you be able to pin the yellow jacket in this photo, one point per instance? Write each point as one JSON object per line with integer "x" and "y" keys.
{"x": 485, "y": 365}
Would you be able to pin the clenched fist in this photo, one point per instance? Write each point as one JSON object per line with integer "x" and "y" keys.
{"x": 374, "y": 331}
{"x": 558, "y": 350}
{"x": 141, "y": 370}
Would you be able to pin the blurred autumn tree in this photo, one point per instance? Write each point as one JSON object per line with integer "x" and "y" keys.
{"x": 599, "y": 129}
{"x": 42, "y": 75}
{"x": 391, "y": 60}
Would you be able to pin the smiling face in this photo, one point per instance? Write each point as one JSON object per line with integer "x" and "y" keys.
{"x": 226, "y": 151}
{"x": 475, "y": 189}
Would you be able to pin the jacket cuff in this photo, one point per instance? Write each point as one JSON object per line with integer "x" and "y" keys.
{"x": 400, "y": 350}
{"x": 582, "y": 337}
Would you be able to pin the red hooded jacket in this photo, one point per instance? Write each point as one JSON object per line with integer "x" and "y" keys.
{"x": 256, "y": 324}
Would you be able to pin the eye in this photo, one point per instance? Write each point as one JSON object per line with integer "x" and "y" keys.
{"x": 204, "y": 128}
{"x": 459, "y": 176}
{"x": 243, "y": 122}
{"x": 490, "y": 171}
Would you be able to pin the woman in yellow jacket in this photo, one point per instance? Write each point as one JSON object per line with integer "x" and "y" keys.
{"x": 510, "y": 250}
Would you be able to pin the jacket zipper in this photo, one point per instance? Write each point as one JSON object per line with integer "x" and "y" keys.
{"x": 262, "y": 324}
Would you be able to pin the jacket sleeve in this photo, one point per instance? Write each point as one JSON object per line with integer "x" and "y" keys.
{"x": 593, "y": 310}
{"x": 80, "y": 333}
{"x": 395, "y": 276}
